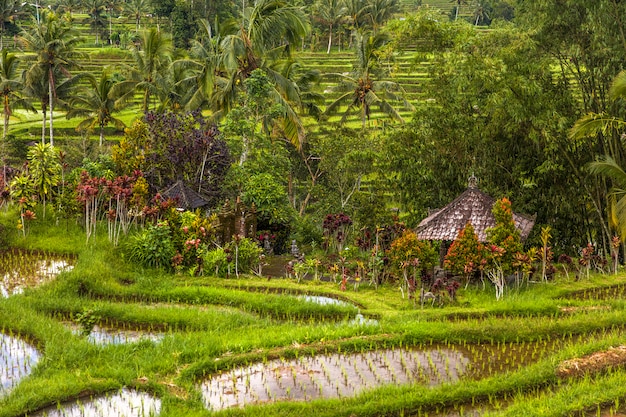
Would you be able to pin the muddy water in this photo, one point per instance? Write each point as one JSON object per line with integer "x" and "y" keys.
{"x": 20, "y": 269}
{"x": 17, "y": 358}
{"x": 331, "y": 376}
{"x": 125, "y": 403}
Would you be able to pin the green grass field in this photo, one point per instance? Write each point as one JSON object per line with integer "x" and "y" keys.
{"x": 511, "y": 354}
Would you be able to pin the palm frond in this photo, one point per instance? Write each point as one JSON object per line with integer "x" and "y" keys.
{"x": 595, "y": 123}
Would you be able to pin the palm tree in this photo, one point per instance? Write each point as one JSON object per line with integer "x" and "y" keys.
{"x": 360, "y": 91}
{"x": 357, "y": 10}
{"x": 480, "y": 13}
{"x": 8, "y": 11}
{"x": 53, "y": 42}
{"x": 380, "y": 11}
{"x": 267, "y": 32}
{"x": 609, "y": 168}
{"x": 201, "y": 67}
{"x": 68, "y": 6}
{"x": 96, "y": 9}
{"x": 152, "y": 56}
{"x": 112, "y": 7}
{"x": 11, "y": 87}
{"x": 98, "y": 104}
{"x": 330, "y": 13}
{"x": 37, "y": 87}
{"x": 137, "y": 9}
{"x": 610, "y": 127}
{"x": 457, "y": 7}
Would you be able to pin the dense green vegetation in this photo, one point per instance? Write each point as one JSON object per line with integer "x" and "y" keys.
{"x": 419, "y": 98}
{"x": 339, "y": 124}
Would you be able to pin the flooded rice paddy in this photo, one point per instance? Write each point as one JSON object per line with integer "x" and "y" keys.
{"x": 331, "y": 376}
{"x": 20, "y": 269}
{"x": 17, "y": 358}
{"x": 614, "y": 292}
{"x": 346, "y": 375}
{"x": 107, "y": 335}
{"x": 125, "y": 403}
{"x": 323, "y": 300}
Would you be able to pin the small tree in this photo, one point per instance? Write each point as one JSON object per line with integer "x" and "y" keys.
{"x": 408, "y": 252}
{"x": 504, "y": 243}
{"x": 465, "y": 254}
{"x": 504, "y": 234}
{"x": 45, "y": 170}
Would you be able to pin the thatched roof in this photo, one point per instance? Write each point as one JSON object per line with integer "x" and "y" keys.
{"x": 185, "y": 196}
{"x": 472, "y": 206}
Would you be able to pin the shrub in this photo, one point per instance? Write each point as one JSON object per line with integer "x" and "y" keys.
{"x": 151, "y": 247}
{"x": 239, "y": 255}
{"x": 465, "y": 254}
{"x": 408, "y": 247}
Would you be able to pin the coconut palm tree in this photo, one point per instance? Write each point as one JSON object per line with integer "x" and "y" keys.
{"x": 457, "y": 7}
{"x": 137, "y": 9}
{"x": 37, "y": 88}
{"x": 380, "y": 11}
{"x": 68, "y": 6}
{"x": 268, "y": 31}
{"x": 609, "y": 168}
{"x": 201, "y": 67}
{"x": 9, "y": 9}
{"x": 360, "y": 91}
{"x": 330, "y": 13}
{"x": 152, "y": 58}
{"x": 98, "y": 103}
{"x": 53, "y": 43}
{"x": 96, "y": 10}
{"x": 11, "y": 87}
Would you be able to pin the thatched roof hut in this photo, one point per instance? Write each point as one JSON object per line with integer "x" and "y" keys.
{"x": 187, "y": 198}
{"x": 472, "y": 206}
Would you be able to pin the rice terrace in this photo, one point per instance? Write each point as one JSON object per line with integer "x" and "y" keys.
{"x": 313, "y": 208}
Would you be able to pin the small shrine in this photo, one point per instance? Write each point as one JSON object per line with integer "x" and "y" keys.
{"x": 472, "y": 206}
{"x": 236, "y": 219}
{"x": 185, "y": 197}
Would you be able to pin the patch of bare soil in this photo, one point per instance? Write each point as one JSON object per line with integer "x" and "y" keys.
{"x": 596, "y": 362}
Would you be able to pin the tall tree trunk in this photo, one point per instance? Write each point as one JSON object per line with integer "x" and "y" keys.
{"x": 330, "y": 38}
{"x": 44, "y": 113}
{"x": 101, "y": 135}
{"x": 50, "y": 104}
{"x": 7, "y": 115}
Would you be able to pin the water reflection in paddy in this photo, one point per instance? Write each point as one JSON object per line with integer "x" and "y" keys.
{"x": 125, "y": 403}
{"x": 346, "y": 375}
{"x": 20, "y": 269}
{"x": 331, "y": 376}
{"x": 105, "y": 335}
{"x": 17, "y": 358}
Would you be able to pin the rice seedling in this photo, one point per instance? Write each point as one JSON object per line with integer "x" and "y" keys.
{"x": 329, "y": 376}
{"x": 22, "y": 269}
{"x": 17, "y": 359}
{"x": 124, "y": 403}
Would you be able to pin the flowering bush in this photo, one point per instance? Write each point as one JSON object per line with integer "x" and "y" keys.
{"x": 408, "y": 247}
{"x": 504, "y": 234}
{"x": 465, "y": 254}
